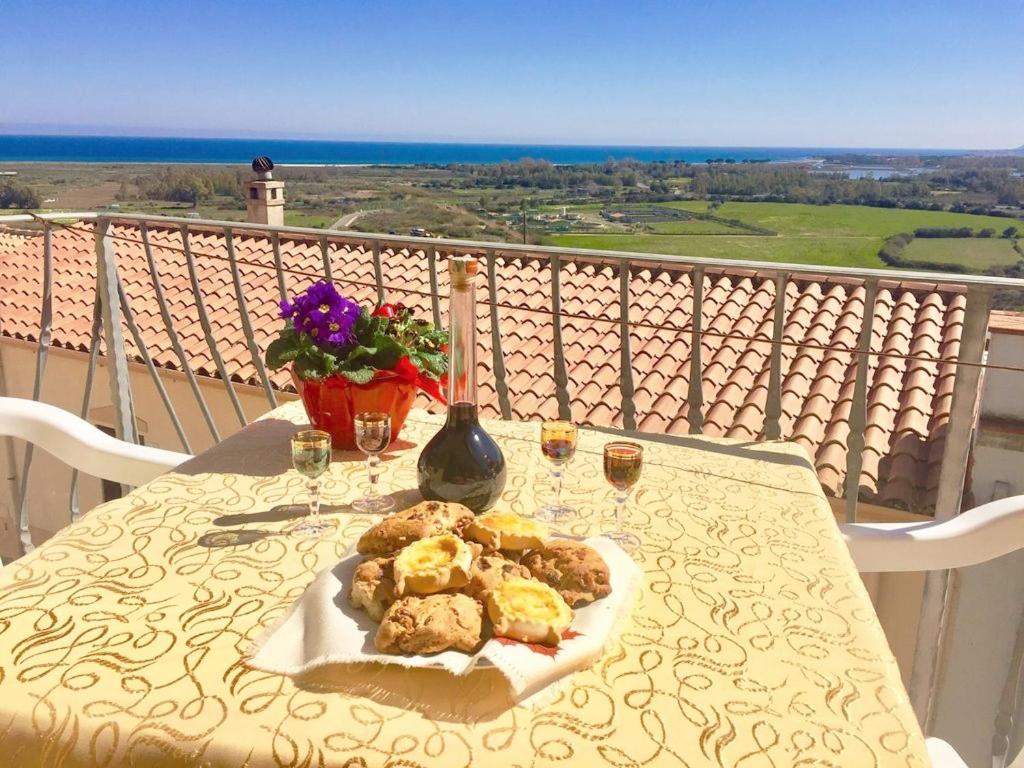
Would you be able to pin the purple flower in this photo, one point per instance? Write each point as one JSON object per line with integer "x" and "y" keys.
{"x": 322, "y": 313}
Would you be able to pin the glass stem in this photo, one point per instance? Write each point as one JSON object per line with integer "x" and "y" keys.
{"x": 620, "y": 506}
{"x": 556, "y": 481}
{"x": 314, "y": 501}
{"x": 372, "y": 465}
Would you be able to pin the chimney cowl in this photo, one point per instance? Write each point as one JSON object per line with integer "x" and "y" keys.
{"x": 263, "y": 166}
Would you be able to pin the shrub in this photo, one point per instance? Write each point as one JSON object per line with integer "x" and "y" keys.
{"x": 18, "y": 196}
{"x": 986, "y": 232}
{"x": 944, "y": 232}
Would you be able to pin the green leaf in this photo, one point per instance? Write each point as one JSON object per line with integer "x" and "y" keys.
{"x": 283, "y": 349}
{"x": 358, "y": 376}
{"x": 309, "y": 366}
{"x": 434, "y": 362}
{"x": 359, "y": 352}
{"x": 389, "y": 352}
{"x": 330, "y": 363}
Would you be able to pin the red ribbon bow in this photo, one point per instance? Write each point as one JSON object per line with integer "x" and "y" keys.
{"x": 406, "y": 371}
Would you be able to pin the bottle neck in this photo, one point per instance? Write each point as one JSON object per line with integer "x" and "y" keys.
{"x": 462, "y": 345}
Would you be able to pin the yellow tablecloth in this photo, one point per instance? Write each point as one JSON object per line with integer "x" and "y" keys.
{"x": 754, "y": 643}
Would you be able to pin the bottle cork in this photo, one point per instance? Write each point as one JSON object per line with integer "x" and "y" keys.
{"x": 462, "y": 270}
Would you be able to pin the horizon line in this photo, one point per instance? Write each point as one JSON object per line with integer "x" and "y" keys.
{"x": 485, "y": 142}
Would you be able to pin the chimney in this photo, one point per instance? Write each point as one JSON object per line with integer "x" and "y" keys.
{"x": 265, "y": 200}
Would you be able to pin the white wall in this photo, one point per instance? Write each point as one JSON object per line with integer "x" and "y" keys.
{"x": 1003, "y": 389}
{"x": 987, "y": 612}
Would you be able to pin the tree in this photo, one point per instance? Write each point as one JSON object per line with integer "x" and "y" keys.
{"x": 986, "y": 232}
{"x": 1010, "y": 232}
{"x": 18, "y": 196}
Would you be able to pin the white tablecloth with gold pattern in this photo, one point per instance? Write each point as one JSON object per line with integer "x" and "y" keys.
{"x": 754, "y": 643}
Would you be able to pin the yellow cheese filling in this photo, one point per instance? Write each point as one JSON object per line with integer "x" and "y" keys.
{"x": 528, "y": 610}
{"x": 507, "y": 530}
{"x": 432, "y": 564}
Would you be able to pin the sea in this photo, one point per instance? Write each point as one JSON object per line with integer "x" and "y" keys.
{"x": 138, "y": 149}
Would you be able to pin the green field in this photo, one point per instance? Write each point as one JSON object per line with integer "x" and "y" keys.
{"x": 317, "y": 220}
{"x": 829, "y": 251}
{"x": 693, "y": 227}
{"x": 816, "y": 220}
{"x": 971, "y": 252}
{"x": 833, "y": 235}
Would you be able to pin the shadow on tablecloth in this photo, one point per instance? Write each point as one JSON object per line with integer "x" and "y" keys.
{"x": 262, "y": 449}
{"x": 481, "y": 696}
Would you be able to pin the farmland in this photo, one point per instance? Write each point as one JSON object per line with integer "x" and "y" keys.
{"x": 832, "y": 235}
{"x": 972, "y": 252}
{"x": 625, "y": 207}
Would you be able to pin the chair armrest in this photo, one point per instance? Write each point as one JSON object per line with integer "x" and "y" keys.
{"x": 79, "y": 444}
{"x": 975, "y": 536}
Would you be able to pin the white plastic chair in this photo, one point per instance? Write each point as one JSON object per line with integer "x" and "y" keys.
{"x": 79, "y": 444}
{"x": 975, "y": 536}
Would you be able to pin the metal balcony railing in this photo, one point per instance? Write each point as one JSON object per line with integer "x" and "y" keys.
{"x": 111, "y": 308}
{"x": 112, "y": 315}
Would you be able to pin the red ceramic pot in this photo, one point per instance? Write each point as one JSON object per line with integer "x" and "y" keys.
{"x": 332, "y": 403}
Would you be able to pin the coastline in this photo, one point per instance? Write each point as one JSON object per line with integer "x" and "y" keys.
{"x": 134, "y": 150}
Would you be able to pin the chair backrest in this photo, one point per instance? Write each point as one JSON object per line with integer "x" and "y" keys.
{"x": 79, "y": 444}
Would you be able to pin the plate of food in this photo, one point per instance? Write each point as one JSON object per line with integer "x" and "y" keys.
{"x": 436, "y": 586}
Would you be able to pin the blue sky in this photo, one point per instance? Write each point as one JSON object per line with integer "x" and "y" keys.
{"x": 822, "y": 73}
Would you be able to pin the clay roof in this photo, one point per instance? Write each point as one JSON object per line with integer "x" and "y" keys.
{"x": 908, "y": 400}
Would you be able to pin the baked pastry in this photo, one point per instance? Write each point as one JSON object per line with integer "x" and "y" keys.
{"x": 373, "y": 586}
{"x": 490, "y": 570}
{"x": 506, "y": 530}
{"x": 430, "y": 624}
{"x": 528, "y": 610}
{"x": 576, "y": 571}
{"x": 428, "y": 518}
{"x": 433, "y": 564}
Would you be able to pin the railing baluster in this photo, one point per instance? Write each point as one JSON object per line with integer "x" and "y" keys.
{"x": 172, "y": 335}
{"x": 275, "y": 244}
{"x": 435, "y": 300}
{"x": 90, "y": 373}
{"x": 1005, "y": 734}
{"x": 42, "y": 350}
{"x": 500, "y": 379}
{"x": 859, "y": 405}
{"x": 117, "y": 361}
{"x": 695, "y": 396}
{"x": 626, "y": 355}
{"x": 378, "y": 272}
{"x": 965, "y": 393}
{"x": 140, "y": 343}
{"x": 243, "y": 311}
{"x": 931, "y": 627}
{"x": 773, "y": 405}
{"x": 204, "y": 322}
{"x": 325, "y": 254}
{"x": 561, "y": 374}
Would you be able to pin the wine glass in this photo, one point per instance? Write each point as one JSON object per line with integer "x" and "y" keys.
{"x": 558, "y": 442}
{"x": 622, "y": 461}
{"x": 311, "y": 455}
{"x": 373, "y": 435}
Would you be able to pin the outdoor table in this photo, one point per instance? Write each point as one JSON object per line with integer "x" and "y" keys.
{"x": 753, "y": 643}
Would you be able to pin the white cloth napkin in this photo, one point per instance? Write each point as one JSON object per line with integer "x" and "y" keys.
{"x": 321, "y": 628}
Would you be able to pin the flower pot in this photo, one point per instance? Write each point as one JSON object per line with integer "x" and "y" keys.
{"x": 332, "y": 403}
